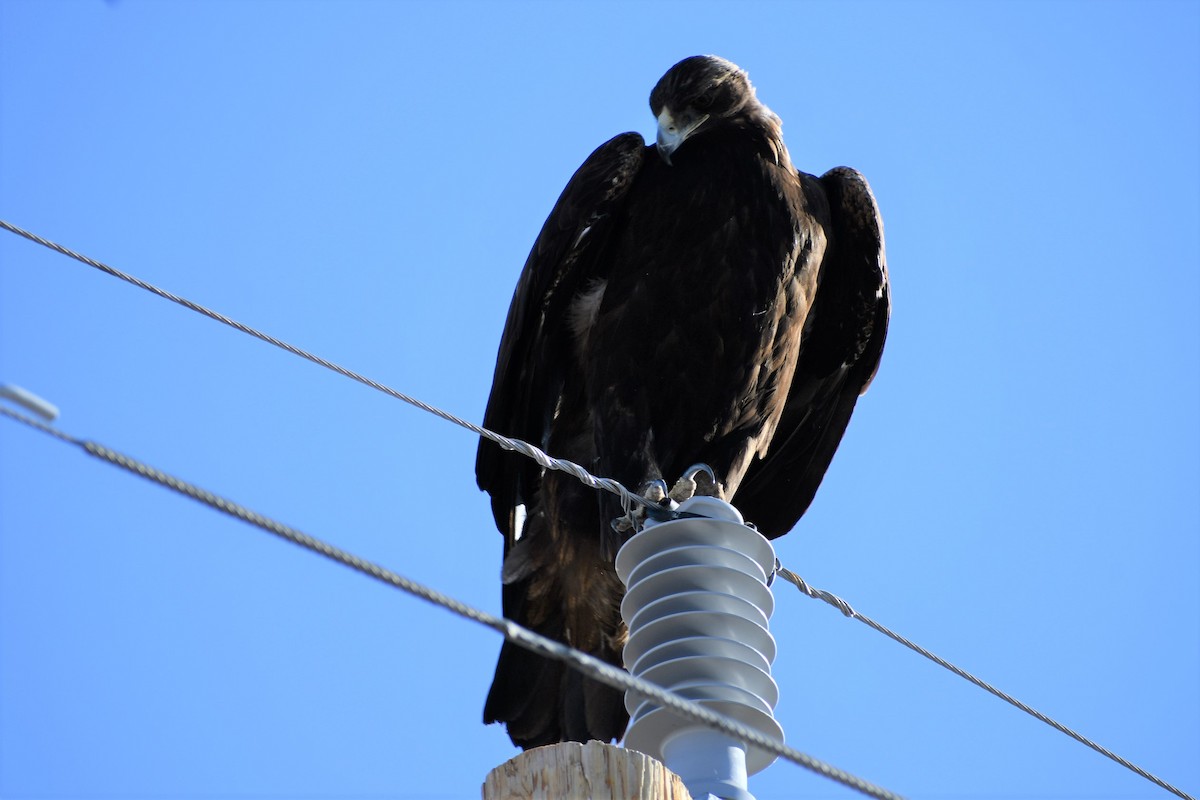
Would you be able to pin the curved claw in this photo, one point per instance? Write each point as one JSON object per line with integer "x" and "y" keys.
{"x": 655, "y": 490}
{"x": 697, "y": 480}
{"x": 704, "y": 476}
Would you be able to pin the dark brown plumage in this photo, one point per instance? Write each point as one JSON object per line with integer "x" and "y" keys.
{"x": 696, "y": 301}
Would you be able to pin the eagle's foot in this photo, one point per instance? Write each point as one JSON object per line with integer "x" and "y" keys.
{"x": 656, "y": 492}
{"x": 698, "y": 480}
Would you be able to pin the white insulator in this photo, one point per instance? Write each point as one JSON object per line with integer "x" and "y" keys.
{"x": 697, "y": 606}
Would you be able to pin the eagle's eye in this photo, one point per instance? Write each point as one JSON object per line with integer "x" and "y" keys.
{"x": 705, "y": 101}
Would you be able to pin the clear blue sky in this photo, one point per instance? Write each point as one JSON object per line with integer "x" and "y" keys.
{"x": 1019, "y": 491}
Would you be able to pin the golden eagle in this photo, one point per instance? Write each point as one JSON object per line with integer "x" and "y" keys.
{"x": 695, "y": 302}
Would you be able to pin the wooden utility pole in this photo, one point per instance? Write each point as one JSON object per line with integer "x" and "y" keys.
{"x": 574, "y": 771}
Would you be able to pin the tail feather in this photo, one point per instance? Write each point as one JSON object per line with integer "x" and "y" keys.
{"x": 565, "y": 590}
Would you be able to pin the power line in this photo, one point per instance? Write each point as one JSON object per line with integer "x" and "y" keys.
{"x": 590, "y": 666}
{"x": 548, "y": 462}
{"x": 846, "y": 609}
{"x": 628, "y": 498}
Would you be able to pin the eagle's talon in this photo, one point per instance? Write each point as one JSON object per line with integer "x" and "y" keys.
{"x": 656, "y": 492}
{"x": 625, "y": 524}
{"x": 699, "y": 480}
{"x": 684, "y": 488}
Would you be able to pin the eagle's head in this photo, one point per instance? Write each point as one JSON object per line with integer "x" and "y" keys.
{"x": 697, "y": 94}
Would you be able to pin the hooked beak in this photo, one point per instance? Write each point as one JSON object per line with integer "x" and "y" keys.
{"x": 673, "y": 131}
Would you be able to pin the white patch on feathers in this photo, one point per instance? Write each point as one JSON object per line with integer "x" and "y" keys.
{"x": 583, "y": 311}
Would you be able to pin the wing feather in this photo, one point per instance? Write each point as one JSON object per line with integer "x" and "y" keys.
{"x": 839, "y": 355}
{"x": 528, "y": 378}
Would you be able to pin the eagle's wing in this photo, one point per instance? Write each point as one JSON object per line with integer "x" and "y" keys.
{"x": 554, "y": 580}
{"x": 839, "y": 354}
{"x": 537, "y": 334}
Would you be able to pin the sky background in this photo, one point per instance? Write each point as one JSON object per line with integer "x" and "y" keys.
{"x": 1019, "y": 491}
